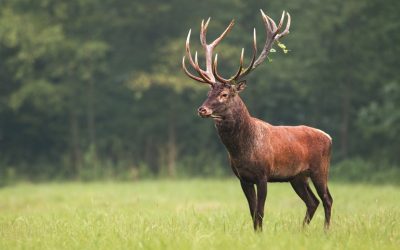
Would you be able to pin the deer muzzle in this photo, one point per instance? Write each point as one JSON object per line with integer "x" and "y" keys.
{"x": 204, "y": 111}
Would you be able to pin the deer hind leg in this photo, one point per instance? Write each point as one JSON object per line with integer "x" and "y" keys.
{"x": 303, "y": 190}
{"x": 321, "y": 185}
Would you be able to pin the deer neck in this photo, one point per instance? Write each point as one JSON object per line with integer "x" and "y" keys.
{"x": 236, "y": 129}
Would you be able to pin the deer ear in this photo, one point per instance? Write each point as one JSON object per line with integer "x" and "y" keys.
{"x": 240, "y": 86}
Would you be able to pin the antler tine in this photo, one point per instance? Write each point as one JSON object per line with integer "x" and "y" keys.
{"x": 272, "y": 23}
{"x": 239, "y": 71}
{"x": 235, "y": 76}
{"x": 253, "y": 59}
{"x": 214, "y": 70}
{"x": 226, "y": 31}
{"x": 208, "y": 21}
{"x": 204, "y": 76}
{"x": 280, "y": 22}
{"x": 269, "y": 24}
{"x": 189, "y": 74}
{"x": 286, "y": 31}
{"x": 187, "y": 47}
{"x": 188, "y": 53}
{"x": 203, "y": 32}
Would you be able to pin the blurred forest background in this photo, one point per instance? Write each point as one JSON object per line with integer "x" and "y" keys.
{"x": 94, "y": 89}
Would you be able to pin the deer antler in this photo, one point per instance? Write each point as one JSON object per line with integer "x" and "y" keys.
{"x": 272, "y": 34}
{"x": 205, "y": 76}
{"x": 211, "y": 75}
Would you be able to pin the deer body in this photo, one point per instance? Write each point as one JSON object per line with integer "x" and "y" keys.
{"x": 258, "y": 151}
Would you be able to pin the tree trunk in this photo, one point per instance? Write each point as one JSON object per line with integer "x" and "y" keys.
{"x": 91, "y": 114}
{"x": 75, "y": 148}
{"x": 92, "y": 126}
{"x": 150, "y": 157}
{"x": 344, "y": 126}
{"x": 171, "y": 148}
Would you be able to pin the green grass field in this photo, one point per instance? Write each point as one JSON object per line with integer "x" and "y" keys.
{"x": 191, "y": 214}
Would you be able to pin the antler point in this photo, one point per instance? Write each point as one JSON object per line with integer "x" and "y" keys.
{"x": 188, "y": 37}
{"x": 263, "y": 14}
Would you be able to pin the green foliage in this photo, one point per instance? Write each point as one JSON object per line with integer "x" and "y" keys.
{"x": 379, "y": 121}
{"x": 359, "y": 170}
{"x": 283, "y": 47}
{"x": 90, "y": 88}
{"x": 41, "y": 95}
{"x": 191, "y": 214}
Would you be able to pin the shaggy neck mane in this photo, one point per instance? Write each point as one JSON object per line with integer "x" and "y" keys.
{"x": 236, "y": 129}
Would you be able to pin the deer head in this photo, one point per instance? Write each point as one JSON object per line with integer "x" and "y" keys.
{"x": 224, "y": 91}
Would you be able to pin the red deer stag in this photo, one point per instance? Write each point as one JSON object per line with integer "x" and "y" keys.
{"x": 258, "y": 151}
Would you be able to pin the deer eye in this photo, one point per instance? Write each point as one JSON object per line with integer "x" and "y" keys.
{"x": 224, "y": 95}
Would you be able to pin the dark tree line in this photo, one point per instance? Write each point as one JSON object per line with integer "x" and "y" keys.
{"x": 94, "y": 88}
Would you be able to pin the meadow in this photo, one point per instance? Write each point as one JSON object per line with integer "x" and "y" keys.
{"x": 191, "y": 214}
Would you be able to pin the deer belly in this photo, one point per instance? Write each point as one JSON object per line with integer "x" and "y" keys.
{"x": 286, "y": 172}
{"x": 288, "y": 161}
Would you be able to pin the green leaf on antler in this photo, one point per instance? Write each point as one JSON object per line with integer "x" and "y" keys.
{"x": 283, "y": 47}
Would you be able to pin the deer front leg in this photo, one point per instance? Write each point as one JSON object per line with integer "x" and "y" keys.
{"x": 261, "y": 196}
{"x": 250, "y": 193}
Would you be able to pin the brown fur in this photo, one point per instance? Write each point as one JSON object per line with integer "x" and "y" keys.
{"x": 260, "y": 152}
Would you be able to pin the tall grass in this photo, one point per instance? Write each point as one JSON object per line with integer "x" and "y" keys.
{"x": 191, "y": 214}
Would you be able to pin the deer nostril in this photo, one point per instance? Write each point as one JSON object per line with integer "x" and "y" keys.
{"x": 203, "y": 110}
